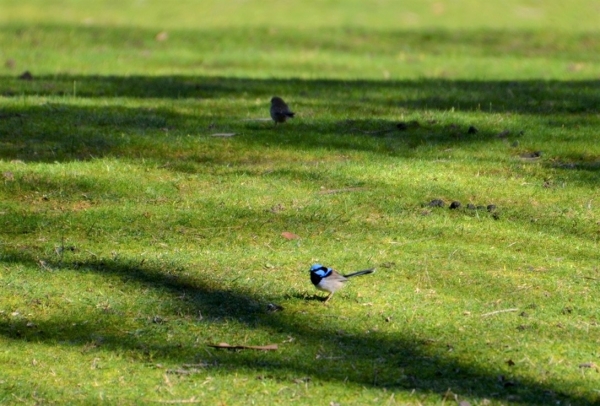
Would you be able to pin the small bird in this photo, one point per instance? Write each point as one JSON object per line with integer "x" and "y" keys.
{"x": 329, "y": 280}
{"x": 279, "y": 110}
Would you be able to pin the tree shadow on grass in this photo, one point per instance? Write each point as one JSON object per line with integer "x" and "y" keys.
{"x": 533, "y": 97}
{"x": 182, "y": 142}
{"x": 395, "y": 361}
{"x": 59, "y": 132}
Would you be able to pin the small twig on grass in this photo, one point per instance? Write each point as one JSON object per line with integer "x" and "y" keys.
{"x": 190, "y": 400}
{"x": 499, "y": 311}
{"x": 348, "y": 189}
{"x": 200, "y": 365}
{"x": 319, "y": 356}
{"x": 184, "y": 371}
{"x": 412, "y": 241}
{"x": 268, "y": 347}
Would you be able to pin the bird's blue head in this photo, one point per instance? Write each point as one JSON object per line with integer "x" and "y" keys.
{"x": 320, "y": 270}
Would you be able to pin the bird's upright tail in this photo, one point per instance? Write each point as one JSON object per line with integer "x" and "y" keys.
{"x": 366, "y": 271}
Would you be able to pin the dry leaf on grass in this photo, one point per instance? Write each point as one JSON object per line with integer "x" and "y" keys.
{"x": 289, "y": 236}
{"x": 162, "y": 36}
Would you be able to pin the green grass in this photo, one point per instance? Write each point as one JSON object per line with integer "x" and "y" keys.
{"x": 130, "y": 238}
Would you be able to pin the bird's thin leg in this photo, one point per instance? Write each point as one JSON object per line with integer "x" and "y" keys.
{"x": 328, "y": 297}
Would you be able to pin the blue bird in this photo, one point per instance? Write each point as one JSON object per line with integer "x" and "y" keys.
{"x": 329, "y": 280}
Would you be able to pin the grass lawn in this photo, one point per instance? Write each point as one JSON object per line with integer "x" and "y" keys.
{"x": 132, "y": 237}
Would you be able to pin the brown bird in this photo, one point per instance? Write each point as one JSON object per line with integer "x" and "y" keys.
{"x": 279, "y": 110}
